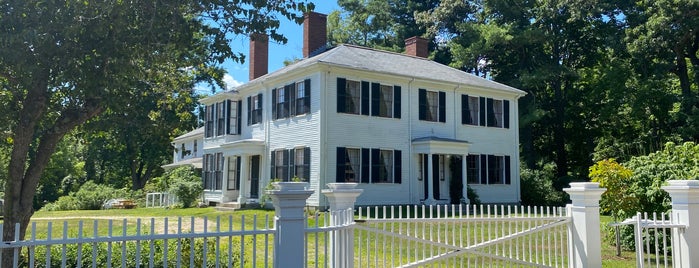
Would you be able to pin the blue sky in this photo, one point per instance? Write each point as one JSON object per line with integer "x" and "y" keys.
{"x": 238, "y": 73}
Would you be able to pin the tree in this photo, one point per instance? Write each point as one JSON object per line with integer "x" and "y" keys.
{"x": 63, "y": 63}
{"x": 376, "y": 23}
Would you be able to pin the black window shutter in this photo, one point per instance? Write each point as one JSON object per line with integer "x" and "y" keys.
{"x": 307, "y": 96}
{"x": 442, "y": 107}
{"x": 340, "y": 173}
{"x": 506, "y": 113}
{"x": 422, "y": 101}
{"x": 288, "y": 93}
{"x": 366, "y": 165}
{"x": 285, "y": 176}
{"x": 397, "y": 167}
{"x": 491, "y": 112}
{"x": 240, "y": 116}
{"x": 491, "y": 162}
{"x": 396, "y": 101}
{"x": 307, "y": 163}
{"x": 375, "y": 98}
{"x": 292, "y": 99}
{"x": 249, "y": 111}
{"x": 228, "y": 117}
{"x": 508, "y": 170}
{"x": 484, "y": 169}
{"x": 259, "y": 108}
{"x": 465, "y": 114}
{"x": 365, "y": 98}
{"x": 237, "y": 173}
{"x": 290, "y": 154}
{"x": 341, "y": 95}
{"x": 481, "y": 111}
{"x": 274, "y": 104}
{"x": 273, "y": 168}
{"x": 375, "y": 162}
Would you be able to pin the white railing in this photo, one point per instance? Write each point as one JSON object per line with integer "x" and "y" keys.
{"x": 163, "y": 242}
{"x": 160, "y": 199}
{"x": 462, "y": 236}
{"x": 653, "y": 238}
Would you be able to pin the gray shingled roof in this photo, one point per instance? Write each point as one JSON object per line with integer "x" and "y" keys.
{"x": 198, "y": 131}
{"x": 372, "y": 60}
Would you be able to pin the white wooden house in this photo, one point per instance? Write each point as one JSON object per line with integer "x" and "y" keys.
{"x": 391, "y": 122}
{"x": 187, "y": 149}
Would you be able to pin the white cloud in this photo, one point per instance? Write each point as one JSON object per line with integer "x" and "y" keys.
{"x": 231, "y": 82}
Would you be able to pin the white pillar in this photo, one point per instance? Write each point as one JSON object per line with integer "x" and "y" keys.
{"x": 341, "y": 198}
{"x": 584, "y": 236}
{"x": 289, "y": 199}
{"x": 464, "y": 169}
{"x": 244, "y": 178}
{"x": 685, "y": 209}
{"x": 430, "y": 183}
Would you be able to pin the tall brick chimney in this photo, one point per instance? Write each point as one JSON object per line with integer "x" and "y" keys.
{"x": 315, "y": 32}
{"x": 259, "y": 55}
{"x": 417, "y": 46}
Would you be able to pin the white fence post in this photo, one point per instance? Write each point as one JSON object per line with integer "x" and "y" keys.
{"x": 289, "y": 199}
{"x": 585, "y": 243}
{"x": 341, "y": 198}
{"x": 685, "y": 208}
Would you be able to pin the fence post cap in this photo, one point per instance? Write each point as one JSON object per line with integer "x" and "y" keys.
{"x": 681, "y": 184}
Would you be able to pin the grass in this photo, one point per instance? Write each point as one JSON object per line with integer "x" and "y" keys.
{"x": 42, "y": 218}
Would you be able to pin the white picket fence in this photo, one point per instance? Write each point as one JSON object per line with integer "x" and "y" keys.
{"x": 654, "y": 237}
{"x": 414, "y": 236}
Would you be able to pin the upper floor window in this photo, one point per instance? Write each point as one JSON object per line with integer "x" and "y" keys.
{"x": 291, "y": 100}
{"x": 483, "y": 111}
{"x": 254, "y": 109}
{"x": 432, "y": 105}
{"x": 368, "y": 165}
{"x": 375, "y": 99}
{"x": 222, "y": 118}
{"x": 194, "y": 148}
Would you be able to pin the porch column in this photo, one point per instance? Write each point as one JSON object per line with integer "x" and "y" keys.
{"x": 584, "y": 236}
{"x": 244, "y": 178}
{"x": 685, "y": 207}
{"x": 430, "y": 180}
{"x": 341, "y": 199}
{"x": 464, "y": 190}
{"x": 289, "y": 200}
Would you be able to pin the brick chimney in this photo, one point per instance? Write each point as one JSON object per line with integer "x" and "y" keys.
{"x": 259, "y": 55}
{"x": 315, "y": 32}
{"x": 417, "y": 46}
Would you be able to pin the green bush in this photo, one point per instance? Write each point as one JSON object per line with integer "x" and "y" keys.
{"x": 131, "y": 250}
{"x": 537, "y": 187}
{"x": 90, "y": 196}
{"x": 185, "y": 183}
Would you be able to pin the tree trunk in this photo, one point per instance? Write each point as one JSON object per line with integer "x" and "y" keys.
{"x": 682, "y": 73}
{"x": 27, "y": 162}
{"x": 559, "y": 130}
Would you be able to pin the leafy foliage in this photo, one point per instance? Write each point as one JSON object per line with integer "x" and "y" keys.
{"x": 619, "y": 199}
{"x": 537, "y": 187}
{"x": 90, "y": 196}
{"x": 185, "y": 183}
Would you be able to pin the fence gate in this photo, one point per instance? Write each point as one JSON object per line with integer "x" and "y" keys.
{"x": 461, "y": 236}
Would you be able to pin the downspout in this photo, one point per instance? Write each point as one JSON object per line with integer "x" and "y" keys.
{"x": 411, "y": 158}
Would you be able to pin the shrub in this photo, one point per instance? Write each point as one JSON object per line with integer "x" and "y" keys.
{"x": 619, "y": 200}
{"x": 185, "y": 184}
{"x": 537, "y": 187}
{"x": 90, "y": 196}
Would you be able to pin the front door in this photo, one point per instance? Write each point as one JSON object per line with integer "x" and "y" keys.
{"x": 254, "y": 176}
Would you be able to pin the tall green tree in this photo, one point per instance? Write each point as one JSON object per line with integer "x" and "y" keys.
{"x": 65, "y": 62}
{"x": 377, "y": 23}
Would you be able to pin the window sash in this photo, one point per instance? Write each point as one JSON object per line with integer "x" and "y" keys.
{"x": 473, "y": 109}
{"x": 386, "y": 101}
{"x": 432, "y": 106}
{"x": 352, "y": 165}
{"x": 385, "y": 167}
{"x": 497, "y": 112}
{"x": 472, "y": 172}
{"x": 353, "y": 97}
{"x": 232, "y": 173}
{"x": 233, "y": 118}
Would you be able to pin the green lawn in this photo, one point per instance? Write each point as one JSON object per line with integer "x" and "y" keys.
{"x": 42, "y": 218}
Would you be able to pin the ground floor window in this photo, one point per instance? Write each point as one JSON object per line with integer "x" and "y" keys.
{"x": 291, "y": 164}
{"x": 213, "y": 171}
{"x": 233, "y": 182}
{"x": 488, "y": 169}
{"x": 365, "y": 165}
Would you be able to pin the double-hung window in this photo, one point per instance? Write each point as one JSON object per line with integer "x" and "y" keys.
{"x": 220, "y": 118}
{"x": 255, "y": 109}
{"x": 469, "y": 110}
{"x": 432, "y": 105}
{"x": 303, "y": 98}
{"x": 288, "y": 164}
{"x": 365, "y": 98}
{"x": 291, "y": 100}
{"x": 488, "y": 169}
{"x": 495, "y": 114}
{"x": 365, "y": 165}
{"x": 233, "y": 182}
{"x": 209, "y": 129}
{"x": 350, "y": 97}
{"x": 234, "y": 110}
